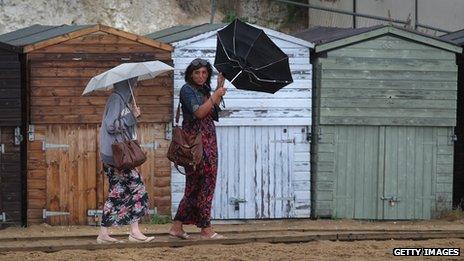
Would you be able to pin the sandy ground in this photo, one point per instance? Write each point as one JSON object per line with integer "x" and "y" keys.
{"x": 47, "y": 230}
{"x": 319, "y": 250}
{"x": 327, "y": 250}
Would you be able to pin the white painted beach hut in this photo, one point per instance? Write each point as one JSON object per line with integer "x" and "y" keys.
{"x": 263, "y": 139}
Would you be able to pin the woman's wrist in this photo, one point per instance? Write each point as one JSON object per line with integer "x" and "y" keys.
{"x": 212, "y": 101}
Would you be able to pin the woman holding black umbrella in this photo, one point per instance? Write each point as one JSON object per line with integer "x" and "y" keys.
{"x": 199, "y": 110}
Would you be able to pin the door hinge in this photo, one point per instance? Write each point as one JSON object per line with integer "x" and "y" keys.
{"x": 2, "y": 148}
{"x": 309, "y": 135}
{"x": 3, "y": 217}
{"x": 284, "y": 141}
{"x": 30, "y": 133}
{"x": 168, "y": 131}
{"x": 46, "y": 213}
{"x": 46, "y": 146}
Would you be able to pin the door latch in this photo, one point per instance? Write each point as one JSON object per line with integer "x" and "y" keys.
{"x": 391, "y": 200}
{"x": 236, "y": 202}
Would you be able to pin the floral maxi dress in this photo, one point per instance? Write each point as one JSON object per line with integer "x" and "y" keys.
{"x": 195, "y": 206}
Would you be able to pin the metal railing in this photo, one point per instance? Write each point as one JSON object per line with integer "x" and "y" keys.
{"x": 356, "y": 14}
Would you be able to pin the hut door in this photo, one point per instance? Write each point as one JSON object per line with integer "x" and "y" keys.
{"x": 70, "y": 152}
{"x": 10, "y": 177}
{"x": 257, "y": 170}
{"x": 2, "y": 179}
{"x": 409, "y": 172}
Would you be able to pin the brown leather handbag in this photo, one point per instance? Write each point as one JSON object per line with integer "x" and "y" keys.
{"x": 127, "y": 154}
{"x": 185, "y": 150}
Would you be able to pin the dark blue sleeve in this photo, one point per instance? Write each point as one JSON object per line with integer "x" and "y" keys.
{"x": 189, "y": 100}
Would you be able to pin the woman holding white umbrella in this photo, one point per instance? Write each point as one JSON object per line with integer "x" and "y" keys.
{"x": 127, "y": 200}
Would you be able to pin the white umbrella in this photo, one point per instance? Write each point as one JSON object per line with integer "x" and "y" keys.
{"x": 125, "y": 71}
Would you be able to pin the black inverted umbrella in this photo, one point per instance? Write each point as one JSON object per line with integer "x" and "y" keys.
{"x": 248, "y": 58}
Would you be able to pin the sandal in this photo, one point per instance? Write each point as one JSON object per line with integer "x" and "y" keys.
{"x": 108, "y": 241}
{"x": 140, "y": 240}
{"x": 214, "y": 236}
{"x": 184, "y": 235}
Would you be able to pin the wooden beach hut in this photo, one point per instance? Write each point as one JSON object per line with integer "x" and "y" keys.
{"x": 263, "y": 139}
{"x": 458, "y": 178}
{"x": 384, "y": 113}
{"x": 12, "y": 149}
{"x": 65, "y": 183}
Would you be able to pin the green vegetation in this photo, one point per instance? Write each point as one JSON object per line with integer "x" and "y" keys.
{"x": 230, "y": 16}
{"x": 160, "y": 219}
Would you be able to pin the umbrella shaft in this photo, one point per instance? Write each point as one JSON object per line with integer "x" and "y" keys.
{"x": 132, "y": 93}
{"x": 236, "y": 76}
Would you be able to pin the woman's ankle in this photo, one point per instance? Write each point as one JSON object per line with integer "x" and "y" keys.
{"x": 207, "y": 231}
{"x": 103, "y": 232}
{"x": 177, "y": 226}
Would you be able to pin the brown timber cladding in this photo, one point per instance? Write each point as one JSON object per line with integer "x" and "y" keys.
{"x": 69, "y": 178}
{"x": 11, "y": 196}
{"x": 10, "y": 89}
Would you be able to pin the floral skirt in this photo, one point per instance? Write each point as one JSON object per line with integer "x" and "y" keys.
{"x": 127, "y": 200}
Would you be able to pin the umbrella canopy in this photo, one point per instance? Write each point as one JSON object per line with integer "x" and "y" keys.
{"x": 249, "y": 59}
{"x": 142, "y": 70}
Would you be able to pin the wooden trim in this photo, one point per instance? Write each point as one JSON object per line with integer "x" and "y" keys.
{"x": 60, "y": 39}
{"x": 385, "y": 30}
{"x": 10, "y": 48}
{"x": 136, "y": 38}
{"x": 351, "y": 39}
{"x": 271, "y": 33}
{"x": 93, "y": 29}
{"x": 425, "y": 40}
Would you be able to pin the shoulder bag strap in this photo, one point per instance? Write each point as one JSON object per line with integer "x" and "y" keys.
{"x": 177, "y": 114}
{"x": 125, "y": 134}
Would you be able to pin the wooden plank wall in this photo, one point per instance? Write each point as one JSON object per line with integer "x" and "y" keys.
{"x": 388, "y": 81}
{"x": 358, "y": 165}
{"x": 10, "y": 89}
{"x": 58, "y": 75}
{"x": 254, "y": 112}
{"x": 289, "y": 106}
{"x": 11, "y": 197}
{"x": 157, "y": 170}
{"x": 36, "y": 176}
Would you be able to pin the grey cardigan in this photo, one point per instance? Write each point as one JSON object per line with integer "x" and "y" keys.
{"x": 117, "y": 119}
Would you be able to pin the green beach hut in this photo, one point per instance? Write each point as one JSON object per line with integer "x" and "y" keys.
{"x": 384, "y": 109}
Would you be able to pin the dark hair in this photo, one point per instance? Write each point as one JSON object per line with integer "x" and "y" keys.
{"x": 195, "y": 65}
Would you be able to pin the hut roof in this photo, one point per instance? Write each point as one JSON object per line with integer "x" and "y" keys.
{"x": 38, "y": 33}
{"x": 327, "y": 38}
{"x": 184, "y": 33}
{"x": 38, "y": 36}
{"x": 455, "y": 37}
